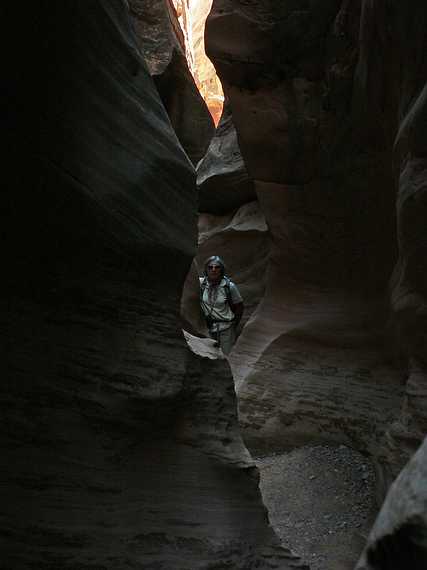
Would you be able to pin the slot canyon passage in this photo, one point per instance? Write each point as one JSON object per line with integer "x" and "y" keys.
{"x": 128, "y": 440}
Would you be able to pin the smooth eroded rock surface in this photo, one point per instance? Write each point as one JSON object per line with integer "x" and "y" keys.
{"x": 161, "y": 41}
{"x": 222, "y": 180}
{"x": 399, "y": 536}
{"x": 120, "y": 446}
{"x": 316, "y": 130}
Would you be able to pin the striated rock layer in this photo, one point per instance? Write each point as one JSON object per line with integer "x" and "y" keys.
{"x": 120, "y": 447}
{"x": 318, "y": 360}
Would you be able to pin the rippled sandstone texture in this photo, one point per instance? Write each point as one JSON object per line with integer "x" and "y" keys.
{"x": 119, "y": 445}
{"x": 317, "y": 114}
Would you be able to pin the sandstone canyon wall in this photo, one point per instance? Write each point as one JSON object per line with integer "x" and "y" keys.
{"x": 120, "y": 446}
{"x": 163, "y": 46}
{"x": 328, "y": 101}
{"x": 401, "y": 107}
{"x": 192, "y": 17}
{"x": 399, "y": 536}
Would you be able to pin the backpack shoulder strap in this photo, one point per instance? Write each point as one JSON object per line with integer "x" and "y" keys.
{"x": 202, "y": 287}
{"x": 227, "y": 289}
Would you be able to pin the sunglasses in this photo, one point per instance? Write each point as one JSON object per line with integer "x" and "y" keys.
{"x": 214, "y": 267}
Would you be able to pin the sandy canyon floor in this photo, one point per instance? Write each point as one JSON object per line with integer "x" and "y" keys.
{"x": 321, "y": 503}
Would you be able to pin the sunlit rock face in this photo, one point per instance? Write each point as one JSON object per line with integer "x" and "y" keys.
{"x": 163, "y": 46}
{"x": 398, "y": 539}
{"x": 205, "y": 73}
{"x": 317, "y": 360}
{"x": 119, "y": 445}
{"x": 184, "y": 16}
{"x": 192, "y": 17}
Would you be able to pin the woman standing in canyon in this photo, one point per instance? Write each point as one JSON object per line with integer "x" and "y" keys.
{"x": 221, "y": 303}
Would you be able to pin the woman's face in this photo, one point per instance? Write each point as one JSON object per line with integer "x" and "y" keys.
{"x": 213, "y": 272}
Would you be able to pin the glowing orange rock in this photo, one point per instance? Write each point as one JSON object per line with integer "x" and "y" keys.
{"x": 192, "y": 16}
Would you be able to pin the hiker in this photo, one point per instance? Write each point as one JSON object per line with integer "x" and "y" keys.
{"x": 221, "y": 303}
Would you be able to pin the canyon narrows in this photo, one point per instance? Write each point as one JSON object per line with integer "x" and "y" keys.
{"x": 125, "y": 441}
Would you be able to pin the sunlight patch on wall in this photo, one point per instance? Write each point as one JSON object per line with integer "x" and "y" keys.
{"x": 192, "y": 16}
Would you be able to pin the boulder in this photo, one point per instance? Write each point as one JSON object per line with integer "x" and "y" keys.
{"x": 398, "y": 538}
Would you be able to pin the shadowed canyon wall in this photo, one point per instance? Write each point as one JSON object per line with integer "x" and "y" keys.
{"x": 327, "y": 99}
{"x": 399, "y": 536}
{"x": 163, "y": 46}
{"x": 120, "y": 446}
{"x": 400, "y": 108}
